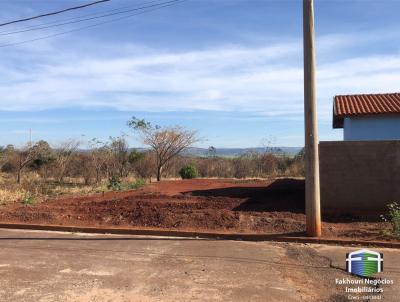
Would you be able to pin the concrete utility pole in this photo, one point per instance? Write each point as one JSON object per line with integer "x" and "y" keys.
{"x": 313, "y": 214}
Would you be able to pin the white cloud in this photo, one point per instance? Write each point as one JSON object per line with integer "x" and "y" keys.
{"x": 229, "y": 78}
{"x": 264, "y": 79}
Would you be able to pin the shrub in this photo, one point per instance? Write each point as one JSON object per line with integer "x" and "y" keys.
{"x": 144, "y": 167}
{"x": 394, "y": 218}
{"x": 140, "y": 182}
{"x": 9, "y": 167}
{"x": 114, "y": 183}
{"x": 241, "y": 167}
{"x": 27, "y": 200}
{"x": 188, "y": 172}
{"x": 135, "y": 156}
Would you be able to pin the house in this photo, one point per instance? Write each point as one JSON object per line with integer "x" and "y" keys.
{"x": 368, "y": 117}
{"x": 360, "y": 175}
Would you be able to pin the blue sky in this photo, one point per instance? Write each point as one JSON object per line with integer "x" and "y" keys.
{"x": 231, "y": 69}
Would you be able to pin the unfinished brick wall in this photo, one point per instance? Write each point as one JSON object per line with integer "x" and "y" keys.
{"x": 359, "y": 176}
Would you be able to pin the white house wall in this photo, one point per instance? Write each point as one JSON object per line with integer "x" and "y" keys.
{"x": 371, "y": 128}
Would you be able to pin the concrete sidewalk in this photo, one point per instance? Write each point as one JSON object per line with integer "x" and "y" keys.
{"x": 50, "y": 266}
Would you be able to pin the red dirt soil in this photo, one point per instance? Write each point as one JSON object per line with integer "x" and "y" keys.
{"x": 229, "y": 206}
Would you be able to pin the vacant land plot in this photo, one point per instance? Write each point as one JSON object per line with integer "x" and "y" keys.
{"x": 231, "y": 206}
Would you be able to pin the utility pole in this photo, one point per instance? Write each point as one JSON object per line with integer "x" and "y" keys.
{"x": 313, "y": 213}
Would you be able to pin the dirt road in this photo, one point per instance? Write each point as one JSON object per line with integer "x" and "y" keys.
{"x": 44, "y": 266}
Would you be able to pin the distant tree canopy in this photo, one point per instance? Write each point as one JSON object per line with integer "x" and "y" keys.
{"x": 212, "y": 151}
{"x": 166, "y": 142}
{"x": 135, "y": 156}
{"x": 300, "y": 155}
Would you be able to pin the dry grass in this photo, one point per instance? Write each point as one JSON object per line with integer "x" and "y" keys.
{"x": 9, "y": 190}
{"x": 7, "y": 196}
{"x": 76, "y": 190}
{"x": 34, "y": 186}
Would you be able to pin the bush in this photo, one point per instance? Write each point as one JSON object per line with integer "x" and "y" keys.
{"x": 140, "y": 182}
{"x": 9, "y": 167}
{"x": 144, "y": 167}
{"x": 27, "y": 200}
{"x": 188, "y": 172}
{"x": 394, "y": 218}
{"x": 114, "y": 183}
{"x": 241, "y": 167}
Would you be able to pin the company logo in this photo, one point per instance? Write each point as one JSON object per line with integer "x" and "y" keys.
{"x": 364, "y": 263}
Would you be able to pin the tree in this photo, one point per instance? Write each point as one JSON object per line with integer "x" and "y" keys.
{"x": 166, "y": 142}
{"x": 119, "y": 149}
{"x": 212, "y": 152}
{"x": 135, "y": 156}
{"x": 144, "y": 166}
{"x": 301, "y": 154}
{"x": 269, "y": 163}
{"x": 99, "y": 155}
{"x": 29, "y": 154}
{"x": 9, "y": 159}
{"x": 64, "y": 154}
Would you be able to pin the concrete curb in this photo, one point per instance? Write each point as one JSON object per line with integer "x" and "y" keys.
{"x": 300, "y": 238}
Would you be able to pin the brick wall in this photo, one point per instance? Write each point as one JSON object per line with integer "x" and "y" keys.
{"x": 359, "y": 176}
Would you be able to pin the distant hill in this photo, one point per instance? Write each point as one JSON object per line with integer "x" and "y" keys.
{"x": 234, "y": 152}
{"x": 230, "y": 152}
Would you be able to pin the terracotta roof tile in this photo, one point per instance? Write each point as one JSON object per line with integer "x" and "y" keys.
{"x": 364, "y": 104}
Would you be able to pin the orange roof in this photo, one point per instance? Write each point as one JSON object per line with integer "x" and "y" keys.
{"x": 364, "y": 104}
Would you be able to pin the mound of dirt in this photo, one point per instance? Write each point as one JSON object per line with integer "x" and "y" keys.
{"x": 256, "y": 206}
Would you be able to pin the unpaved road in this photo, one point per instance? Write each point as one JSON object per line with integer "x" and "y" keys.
{"x": 49, "y": 266}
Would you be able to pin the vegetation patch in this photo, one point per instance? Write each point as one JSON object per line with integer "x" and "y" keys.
{"x": 114, "y": 183}
{"x": 393, "y": 217}
{"x": 27, "y": 200}
{"x": 188, "y": 172}
{"x": 140, "y": 182}
{"x": 77, "y": 168}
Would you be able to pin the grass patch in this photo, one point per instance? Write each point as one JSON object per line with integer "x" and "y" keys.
{"x": 135, "y": 185}
{"x": 11, "y": 195}
{"x": 115, "y": 184}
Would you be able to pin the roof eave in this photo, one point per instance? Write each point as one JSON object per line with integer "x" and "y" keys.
{"x": 337, "y": 121}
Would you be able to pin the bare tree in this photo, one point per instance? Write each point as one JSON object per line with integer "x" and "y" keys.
{"x": 64, "y": 154}
{"x": 99, "y": 155}
{"x": 144, "y": 166}
{"x": 119, "y": 150}
{"x": 166, "y": 142}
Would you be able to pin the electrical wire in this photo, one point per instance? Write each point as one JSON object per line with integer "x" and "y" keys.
{"x": 78, "y": 19}
{"x": 164, "y": 4}
{"x": 54, "y": 13}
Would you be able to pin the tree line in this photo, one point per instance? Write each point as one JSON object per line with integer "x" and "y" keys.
{"x": 100, "y": 160}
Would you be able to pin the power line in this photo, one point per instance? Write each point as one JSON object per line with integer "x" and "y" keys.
{"x": 54, "y": 13}
{"x": 56, "y": 22}
{"x": 84, "y": 19}
{"x": 168, "y": 3}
